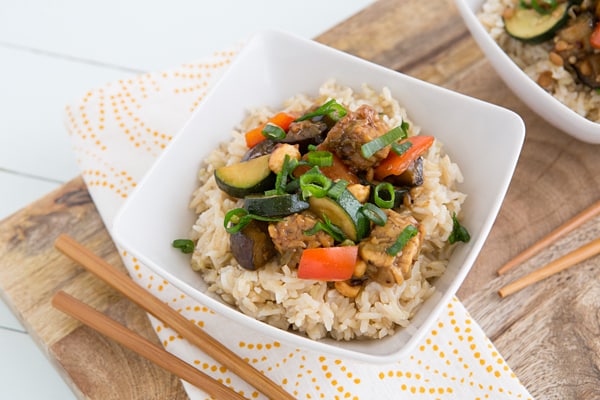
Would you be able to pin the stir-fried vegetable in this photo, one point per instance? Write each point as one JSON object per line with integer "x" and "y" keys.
{"x": 328, "y": 263}
{"x": 312, "y": 205}
{"x": 185, "y": 245}
{"x": 281, "y": 120}
{"x": 459, "y": 232}
{"x": 396, "y": 164}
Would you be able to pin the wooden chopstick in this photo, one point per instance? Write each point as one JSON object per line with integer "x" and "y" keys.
{"x": 582, "y": 253}
{"x": 142, "y": 346}
{"x": 169, "y": 316}
{"x": 565, "y": 228}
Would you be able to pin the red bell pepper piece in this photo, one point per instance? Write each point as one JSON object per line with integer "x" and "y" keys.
{"x": 595, "y": 37}
{"x": 395, "y": 164}
{"x": 255, "y": 136}
{"x": 328, "y": 263}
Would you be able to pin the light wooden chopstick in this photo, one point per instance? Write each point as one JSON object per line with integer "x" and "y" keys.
{"x": 142, "y": 346}
{"x": 195, "y": 335}
{"x": 565, "y": 228}
{"x": 582, "y": 253}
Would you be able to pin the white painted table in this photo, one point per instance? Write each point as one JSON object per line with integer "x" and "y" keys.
{"x": 53, "y": 52}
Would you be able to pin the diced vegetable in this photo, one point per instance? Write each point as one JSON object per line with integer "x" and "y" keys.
{"x": 407, "y": 233}
{"x": 255, "y": 136}
{"x": 345, "y": 212}
{"x": 274, "y": 206}
{"x": 337, "y": 170}
{"x": 246, "y": 177}
{"x": 396, "y": 164}
{"x": 328, "y": 263}
{"x": 529, "y": 25}
{"x": 185, "y": 245}
{"x": 372, "y": 147}
{"x": 252, "y": 247}
{"x": 459, "y": 232}
{"x": 595, "y": 36}
{"x": 331, "y": 109}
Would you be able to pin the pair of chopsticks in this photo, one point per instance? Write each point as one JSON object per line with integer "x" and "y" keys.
{"x": 573, "y": 258}
{"x": 195, "y": 335}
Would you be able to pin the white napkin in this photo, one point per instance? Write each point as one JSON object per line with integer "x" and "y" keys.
{"x": 118, "y": 131}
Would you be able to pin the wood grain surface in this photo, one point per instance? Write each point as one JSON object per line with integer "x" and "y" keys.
{"x": 549, "y": 333}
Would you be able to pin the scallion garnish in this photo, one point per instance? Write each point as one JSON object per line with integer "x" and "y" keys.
{"x": 459, "y": 233}
{"x": 281, "y": 180}
{"x": 314, "y": 183}
{"x": 274, "y": 132}
{"x": 320, "y": 158}
{"x": 337, "y": 189}
{"x": 185, "y": 245}
{"x": 407, "y": 233}
{"x": 372, "y": 147}
{"x": 374, "y": 213}
{"x": 384, "y": 195}
{"x": 332, "y": 109}
{"x": 237, "y": 219}
{"x": 400, "y": 148}
{"x": 328, "y": 227}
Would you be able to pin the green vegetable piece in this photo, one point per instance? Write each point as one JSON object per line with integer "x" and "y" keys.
{"x": 407, "y": 233}
{"x": 372, "y": 147}
{"x": 529, "y": 25}
{"x": 384, "y": 195}
{"x": 332, "y": 109}
{"x": 374, "y": 213}
{"x": 459, "y": 233}
{"x": 275, "y": 205}
{"x": 185, "y": 245}
{"x": 274, "y": 132}
{"x": 244, "y": 178}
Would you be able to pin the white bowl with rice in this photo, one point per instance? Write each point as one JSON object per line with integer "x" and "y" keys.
{"x": 566, "y": 104}
{"x": 467, "y": 172}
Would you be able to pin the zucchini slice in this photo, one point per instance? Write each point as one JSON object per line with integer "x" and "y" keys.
{"x": 274, "y": 206}
{"x": 345, "y": 213}
{"x": 246, "y": 177}
{"x": 528, "y": 25}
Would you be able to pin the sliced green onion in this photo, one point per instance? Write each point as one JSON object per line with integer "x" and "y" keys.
{"x": 400, "y": 148}
{"x": 407, "y": 233}
{"x": 332, "y": 109}
{"x": 320, "y": 158}
{"x": 544, "y": 6}
{"x": 185, "y": 245}
{"x": 274, "y": 132}
{"x": 374, "y": 213}
{"x": 281, "y": 180}
{"x": 314, "y": 183}
{"x": 237, "y": 219}
{"x": 459, "y": 233}
{"x": 372, "y": 147}
{"x": 328, "y": 227}
{"x": 337, "y": 189}
{"x": 384, "y": 195}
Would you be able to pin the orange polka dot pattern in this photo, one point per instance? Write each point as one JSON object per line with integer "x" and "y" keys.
{"x": 118, "y": 131}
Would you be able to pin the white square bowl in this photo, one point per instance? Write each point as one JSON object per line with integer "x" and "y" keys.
{"x": 483, "y": 139}
{"x": 539, "y": 100}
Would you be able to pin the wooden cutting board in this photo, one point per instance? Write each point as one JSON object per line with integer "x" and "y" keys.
{"x": 549, "y": 333}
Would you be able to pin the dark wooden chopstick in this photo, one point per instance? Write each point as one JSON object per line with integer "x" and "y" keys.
{"x": 142, "y": 346}
{"x": 169, "y": 316}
